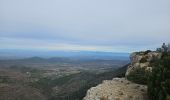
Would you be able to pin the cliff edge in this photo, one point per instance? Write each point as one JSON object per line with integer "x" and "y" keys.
{"x": 132, "y": 87}
{"x": 142, "y": 60}
{"x": 117, "y": 89}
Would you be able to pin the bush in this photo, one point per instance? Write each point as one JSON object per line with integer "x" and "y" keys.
{"x": 159, "y": 79}
{"x": 4, "y": 79}
{"x": 139, "y": 76}
{"x": 147, "y": 51}
{"x": 143, "y": 60}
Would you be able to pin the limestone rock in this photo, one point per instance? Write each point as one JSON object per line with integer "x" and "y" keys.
{"x": 142, "y": 60}
{"x": 117, "y": 89}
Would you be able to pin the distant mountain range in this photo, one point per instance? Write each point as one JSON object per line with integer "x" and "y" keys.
{"x": 20, "y": 54}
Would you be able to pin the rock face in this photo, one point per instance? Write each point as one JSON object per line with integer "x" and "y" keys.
{"x": 117, "y": 89}
{"x": 122, "y": 88}
{"x": 142, "y": 60}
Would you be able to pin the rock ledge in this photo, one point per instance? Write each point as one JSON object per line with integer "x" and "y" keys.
{"x": 117, "y": 89}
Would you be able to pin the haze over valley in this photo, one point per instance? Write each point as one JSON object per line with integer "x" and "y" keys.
{"x": 69, "y": 49}
{"x": 57, "y": 78}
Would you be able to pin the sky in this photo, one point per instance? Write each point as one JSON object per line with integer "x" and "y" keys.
{"x": 92, "y": 25}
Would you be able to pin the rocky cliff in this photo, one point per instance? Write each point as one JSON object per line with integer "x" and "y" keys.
{"x": 127, "y": 88}
{"x": 117, "y": 89}
{"x": 142, "y": 60}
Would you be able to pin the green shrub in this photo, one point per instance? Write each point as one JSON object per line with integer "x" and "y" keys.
{"x": 139, "y": 76}
{"x": 4, "y": 79}
{"x": 159, "y": 79}
{"x": 147, "y": 51}
{"x": 143, "y": 60}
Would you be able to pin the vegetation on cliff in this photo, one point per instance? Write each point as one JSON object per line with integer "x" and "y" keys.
{"x": 138, "y": 76}
{"x": 153, "y": 71}
{"x": 149, "y": 68}
{"x": 159, "y": 79}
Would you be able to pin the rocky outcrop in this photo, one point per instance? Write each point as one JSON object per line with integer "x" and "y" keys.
{"x": 117, "y": 89}
{"x": 122, "y": 88}
{"x": 142, "y": 60}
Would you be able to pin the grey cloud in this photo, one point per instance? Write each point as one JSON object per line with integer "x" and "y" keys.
{"x": 129, "y": 23}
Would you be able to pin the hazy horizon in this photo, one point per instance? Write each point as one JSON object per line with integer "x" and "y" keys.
{"x": 88, "y": 25}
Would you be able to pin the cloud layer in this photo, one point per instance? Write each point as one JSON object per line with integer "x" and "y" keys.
{"x": 110, "y": 25}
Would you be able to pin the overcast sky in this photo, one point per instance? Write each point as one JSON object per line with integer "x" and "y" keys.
{"x": 97, "y": 25}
